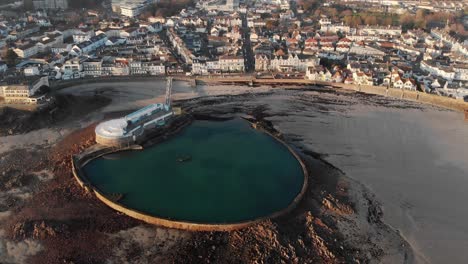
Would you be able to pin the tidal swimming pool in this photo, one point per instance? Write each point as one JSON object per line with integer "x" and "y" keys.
{"x": 211, "y": 172}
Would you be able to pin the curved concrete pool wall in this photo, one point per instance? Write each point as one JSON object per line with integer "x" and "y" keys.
{"x": 116, "y": 141}
{"x": 78, "y": 162}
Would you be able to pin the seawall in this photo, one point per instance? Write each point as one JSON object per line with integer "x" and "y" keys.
{"x": 416, "y": 96}
{"x": 58, "y": 85}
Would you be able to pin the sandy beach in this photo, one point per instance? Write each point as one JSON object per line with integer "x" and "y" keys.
{"x": 389, "y": 182}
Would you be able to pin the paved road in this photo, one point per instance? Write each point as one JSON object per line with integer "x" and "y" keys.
{"x": 249, "y": 59}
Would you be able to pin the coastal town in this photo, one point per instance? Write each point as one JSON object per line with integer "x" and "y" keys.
{"x": 277, "y": 39}
{"x": 233, "y": 131}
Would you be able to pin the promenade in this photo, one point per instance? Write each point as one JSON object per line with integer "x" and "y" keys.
{"x": 253, "y": 81}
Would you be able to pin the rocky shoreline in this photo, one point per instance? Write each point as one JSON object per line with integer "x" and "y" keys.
{"x": 338, "y": 220}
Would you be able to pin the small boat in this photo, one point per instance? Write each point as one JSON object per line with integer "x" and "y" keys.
{"x": 184, "y": 158}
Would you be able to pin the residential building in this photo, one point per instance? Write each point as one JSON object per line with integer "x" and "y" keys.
{"x": 72, "y": 67}
{"x": 438, "y": 70}
{"x": 335, "y": 28}
{"x": 262, "y": 62}
{"x": 31, "y": 71}
{"x": 89, "y": 46}
{"x": 314, "y": 73}
{"x": 362, "y": 78}
{"x": 25, "y": 31}
{"x": 24, "y": 90}
{"x": 292, "y": 62}
{"x": 380, "y": 31}
{"x": 229, "y": 63}
{"x": 27, "y": 50}
{"x": 82, "y": 36}
{"x": 50, "y": 4}
{"x": 92, "y": 67}
{"x": 130, "y": 8}
{"x": 199, "y": 67}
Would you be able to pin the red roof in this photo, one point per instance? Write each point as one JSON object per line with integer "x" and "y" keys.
{"x": 386, "y": 44}
{"x": 311, "y": 40}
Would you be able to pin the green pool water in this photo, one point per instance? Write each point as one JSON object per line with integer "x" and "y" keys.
{"x": 235, "y": 174}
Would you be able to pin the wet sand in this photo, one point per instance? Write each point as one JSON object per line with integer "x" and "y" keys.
{"x": 415, "y": 160}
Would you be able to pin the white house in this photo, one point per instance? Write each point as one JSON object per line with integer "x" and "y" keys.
{"x": 380, "y": 30}
{"x": 461, "y": 71}
{"x": 72, "y": 67}
{"x": 262, "y": 62}
{"x": 154, "y": 27}
{"x": 213, "y": 66}
{"x": 331, "y": 55}
{"x": 24, "y": 91}
{"x": 231, "y": 63}
{"x": 318, "y": 74}
{"x": 90, "y": 45}
{"x": 199, "y": 67}
{"x": 120, "y": 68}
{"x": 154, "y": 68}
{"x": 363, "y": 78}
{"x": 92, "y": 67}
{"x": 82, "y": 36}
{"x": 334, "y": 28}
{"x": 292, "y": 62}
{"x": 31, "y": 71}
{"x": 446, "y": 73}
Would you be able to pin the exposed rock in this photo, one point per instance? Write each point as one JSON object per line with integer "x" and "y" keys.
{"x": 39, "y": 229}
{"x": 331, "y": 203}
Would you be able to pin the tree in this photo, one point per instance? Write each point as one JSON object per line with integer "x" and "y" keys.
{"x": 346, "y": 12}
{"x": 420, "y": 20}
{"x": 332, "y": 12}
{"x": 458, "y": 29}
{"x": 352, "y": 21}
{"x": 348, "y": 20}
{"x": 387, "y": 21}
{"x": 370, "y": 20}
{"x": 407, "y": 21}
{"x": 10, "y": 57}
{"x": 356, "y": 21}
{"x": 271, "y": 24}
{"x": 308, "y": 5}
{"x": 421, "y": 14}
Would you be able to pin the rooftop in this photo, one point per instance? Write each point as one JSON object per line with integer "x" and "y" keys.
{"x": 21, "y": 80}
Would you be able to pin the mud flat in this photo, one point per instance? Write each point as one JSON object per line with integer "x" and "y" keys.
{"x": 378, "y": 164}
